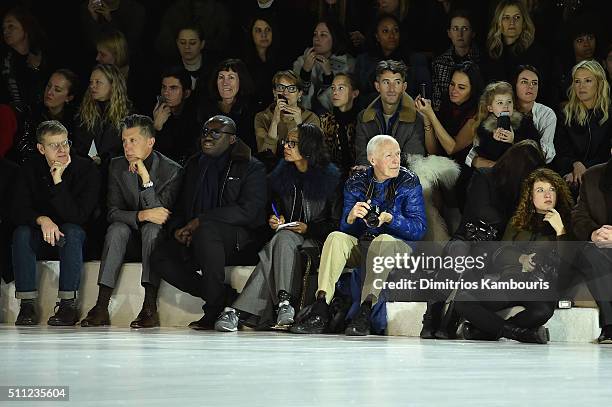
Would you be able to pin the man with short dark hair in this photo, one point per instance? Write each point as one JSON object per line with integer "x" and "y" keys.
{"x": 142, "y": 186}
{"x": 175, "y": 117}
{"x": 217, "y": 220}
{"x": 55, "y": 195}
{"x": 392, "y": 113}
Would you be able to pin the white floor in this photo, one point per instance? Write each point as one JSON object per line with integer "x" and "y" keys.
{"x": 179, "y": 367}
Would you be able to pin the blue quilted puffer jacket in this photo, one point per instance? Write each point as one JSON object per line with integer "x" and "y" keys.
{"x": 402, "y": 197}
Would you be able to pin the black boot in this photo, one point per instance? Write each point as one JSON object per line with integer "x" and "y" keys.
{"x": 472, "y": 333}
{"x": 431, "y": 319}
{"x": 66, "y": 315}
{"x": 606, "y": 335}
{"x": 27, "y": 314}
{"x": 316, "y": 322}
{"x": 360, "y": 325}
{"x": 526, "y": 335}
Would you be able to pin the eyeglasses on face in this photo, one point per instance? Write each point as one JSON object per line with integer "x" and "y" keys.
{"x": 290, "y": 88}
{"x": 289, "y": 143}
{"x": 56, "y": 146}
{"x": 215, "y": 134}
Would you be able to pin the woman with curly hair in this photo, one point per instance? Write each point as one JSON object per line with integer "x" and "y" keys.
{"x": 540, "y": 222}
{"x": 306, "y": 205}
{"x": 105, "y": 104}
{"x": 584, "y": 131}
{"x": 510, "y": 43}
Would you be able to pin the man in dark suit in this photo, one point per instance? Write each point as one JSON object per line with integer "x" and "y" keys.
{"x": 55, "y": 195}
{"x": 142, "y": 186}
{"x": 217, "y": 219}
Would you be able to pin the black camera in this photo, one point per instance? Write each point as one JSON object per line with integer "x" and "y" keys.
{"x": 371, "y": 218}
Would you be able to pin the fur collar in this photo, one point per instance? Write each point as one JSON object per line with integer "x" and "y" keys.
{"x": 318, "y": 183}
{"x": 490, "y": 123}
{"x": 407, "y": 111}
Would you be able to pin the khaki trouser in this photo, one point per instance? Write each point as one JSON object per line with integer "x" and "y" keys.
{"x": 342, "y": 250}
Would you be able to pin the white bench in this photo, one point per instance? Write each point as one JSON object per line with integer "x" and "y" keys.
{"x": 177, "y": 309}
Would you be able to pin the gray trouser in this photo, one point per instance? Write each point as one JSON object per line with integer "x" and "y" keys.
{"x": 117, "y": 237}
{"x": 279, "y": 268}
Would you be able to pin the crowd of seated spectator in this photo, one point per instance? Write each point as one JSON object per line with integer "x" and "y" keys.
{"x": 227, "y": 93}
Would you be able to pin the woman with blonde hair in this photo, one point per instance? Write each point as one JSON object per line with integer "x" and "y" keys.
{"x": 584, "y": 132}
{"x": 510, "y": 43}
{"x": 112, "y": 48}
{"x": 105, "y": 104}
{"x": 531, "y": 254}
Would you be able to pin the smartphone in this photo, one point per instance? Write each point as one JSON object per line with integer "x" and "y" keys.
{"x": 503, "y": 121}
{"x": 97, "y": 3}
{"x": 282, "y": 97}
{"x": 160, "y": 99}
{"x": 423, "y": 90}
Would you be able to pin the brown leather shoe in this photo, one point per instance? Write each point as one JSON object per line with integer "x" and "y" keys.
{"x": 147, "y": 318}
{"x": 97, "y": 316}
{"x": 66, "y": 315}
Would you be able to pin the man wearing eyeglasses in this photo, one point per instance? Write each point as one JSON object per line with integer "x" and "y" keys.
{"x": 55, "y": 195}
{"x": 142, "y": 187}
{"x": 216, "y": 221}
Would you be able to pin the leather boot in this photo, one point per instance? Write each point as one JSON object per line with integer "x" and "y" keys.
{"x": 147, "y": 318}
{"x": 472, "y": 333}
{"x": 97, "y": 316}
{"x": 526, "y": 335}
{"x": 360, "y": 325}
{"x": 27, "y": 314}
{"x": 66, "y": 314}
{"x": 431, "y": 319}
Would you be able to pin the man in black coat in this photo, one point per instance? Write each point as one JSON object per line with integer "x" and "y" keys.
{"x": 216, "y": 219}
{"x": 142, "y": 187}
{"x": 55, "y": 194}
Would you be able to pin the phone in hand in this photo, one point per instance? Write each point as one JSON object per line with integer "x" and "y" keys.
{"x": 282, "y": 97}
{"x": 423, "y": 90}
{"x": 97, "y": 3}
{"x": 503, "y": 121}
{"x": 160, "y": 100}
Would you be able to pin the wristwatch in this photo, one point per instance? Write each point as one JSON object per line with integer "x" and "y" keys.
{"x": 148, "y": 184}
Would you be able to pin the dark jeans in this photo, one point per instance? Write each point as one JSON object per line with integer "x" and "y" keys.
{"x": 28, "y": 244}
{"x": 597, "y": 269}
{"x": 214, "y": 246}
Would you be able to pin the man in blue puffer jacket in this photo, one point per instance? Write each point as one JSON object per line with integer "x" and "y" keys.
{"x": 383, "y": 204}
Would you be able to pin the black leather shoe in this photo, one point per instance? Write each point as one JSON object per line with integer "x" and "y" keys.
{"x": 27, "y": 315}
{"x": 66, "y": 314}
{"x": 314, "y": 324}
{"x": 147, "y": 318}
{"x": 203, "y": 324}
{"x": 605, "y": 338}
{"x": 527, "y": 335}
{"x": 431, "y": 319}
{"x": 338, "y": 309}
{"x": 472, "y": 333}
{"x": 97, "y": 316}
{"x": 360, "y": 325}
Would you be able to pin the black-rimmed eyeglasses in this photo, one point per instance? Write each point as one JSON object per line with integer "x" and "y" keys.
{"x": 290, "y": 88}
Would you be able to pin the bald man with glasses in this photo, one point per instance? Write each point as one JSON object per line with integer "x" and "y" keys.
{"x": 217, "y": 220}
{"x": 55, "y": 195}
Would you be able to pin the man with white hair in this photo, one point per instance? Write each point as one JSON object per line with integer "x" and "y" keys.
{"x": 383, "y": 204}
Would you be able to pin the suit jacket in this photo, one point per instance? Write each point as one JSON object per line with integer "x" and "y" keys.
{"x": 594, "y": 207}
{"x": 125, "y": 196}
